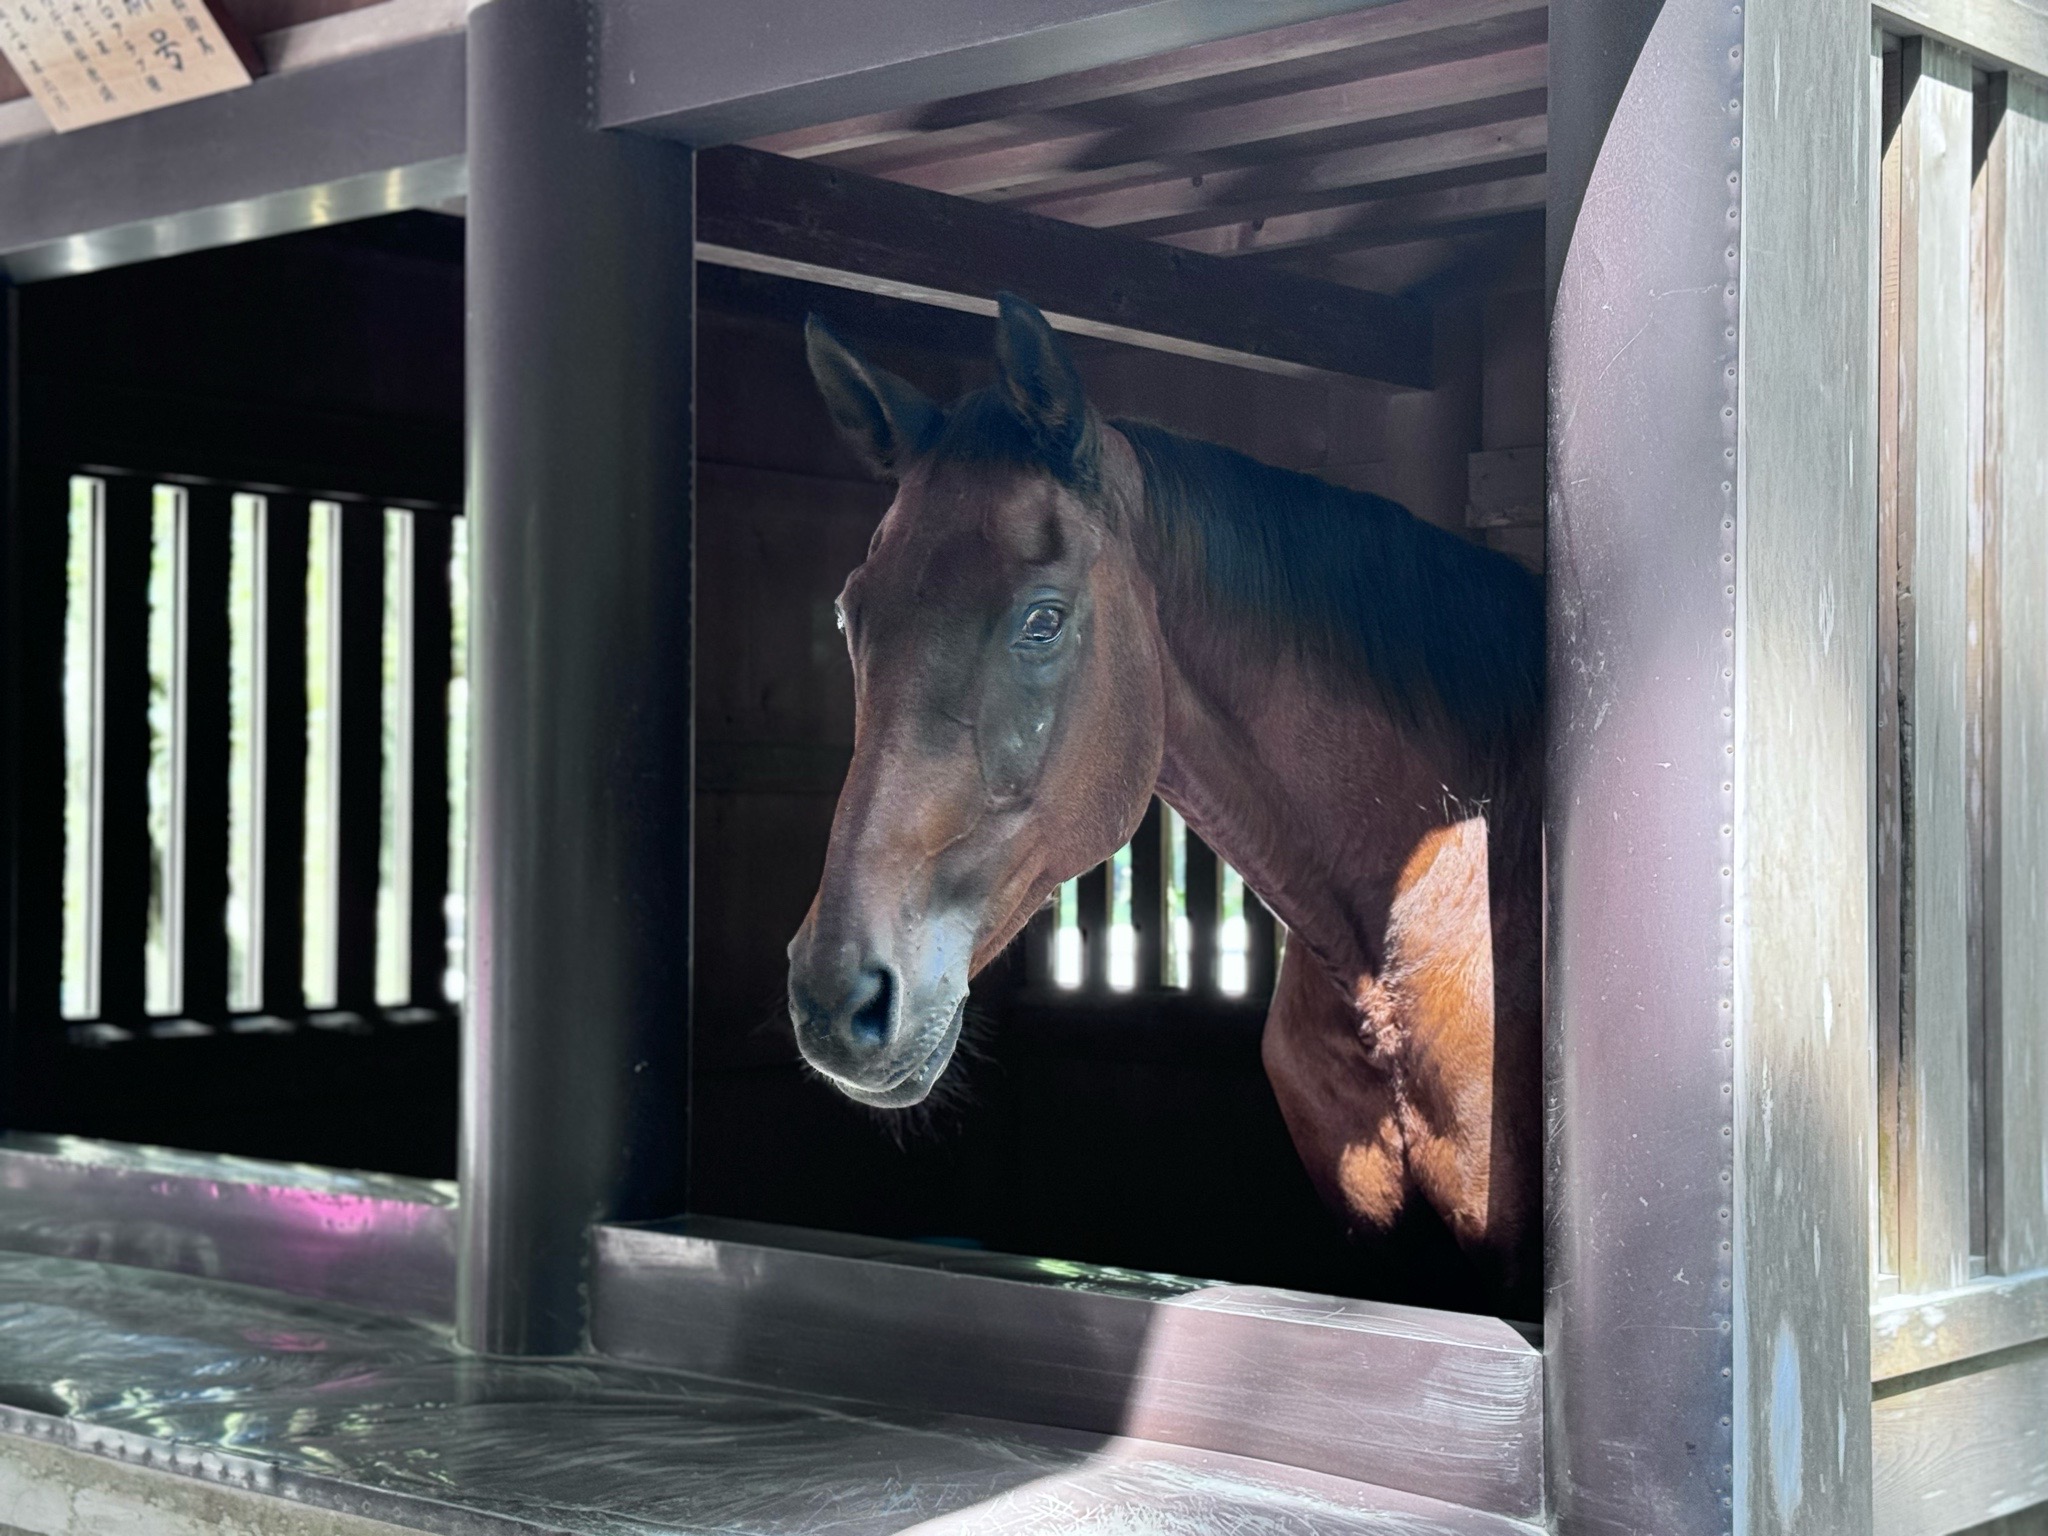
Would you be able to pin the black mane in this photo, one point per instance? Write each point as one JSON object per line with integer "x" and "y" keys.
{"x": 1353, "y": 583}
{"x": 1440, "y": 627}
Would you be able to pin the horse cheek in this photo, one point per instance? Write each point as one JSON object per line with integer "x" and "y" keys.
{"x": 1013, "y": 734}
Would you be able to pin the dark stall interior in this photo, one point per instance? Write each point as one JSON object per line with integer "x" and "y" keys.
{"x": 1126, "y": 1125}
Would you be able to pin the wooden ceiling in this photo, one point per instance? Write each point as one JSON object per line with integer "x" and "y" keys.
{"x": 1386, "y": 149}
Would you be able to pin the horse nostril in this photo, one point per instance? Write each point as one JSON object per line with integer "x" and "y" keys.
{"x": 869, "y": 1023}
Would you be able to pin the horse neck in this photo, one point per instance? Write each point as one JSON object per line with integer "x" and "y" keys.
{"x": 1312, "y": 792}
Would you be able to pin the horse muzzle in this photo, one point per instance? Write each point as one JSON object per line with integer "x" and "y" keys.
{"x": 874, "y": 1037}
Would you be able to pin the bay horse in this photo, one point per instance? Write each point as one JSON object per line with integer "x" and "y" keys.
{"x": 1061, "y": 616}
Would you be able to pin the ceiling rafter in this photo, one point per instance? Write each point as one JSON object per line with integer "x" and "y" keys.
{"x": 1218, "y": 61}
{"x": 1171, "y": 205}
{"x": 1382, "y": 221}
{"x": 1038, "y": 159}
{"x": 1398, "y": 144}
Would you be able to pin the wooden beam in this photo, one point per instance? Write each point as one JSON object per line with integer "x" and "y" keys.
{"x": 1933, "y": 430}
{"x": 723, "y": 74}
{"x": 1310, "y": 40}
{"x": 1380, "y": 221}
{"x": 1169, "y": 204}
{"x": 798, "y": 219}
{"x": 2016, "y": 1087}
{"x": 1993, "y": 32}
{"x": 1065, "y": 149}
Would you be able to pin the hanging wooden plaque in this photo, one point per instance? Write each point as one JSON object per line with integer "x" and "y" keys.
{"x": 86, "y": 61}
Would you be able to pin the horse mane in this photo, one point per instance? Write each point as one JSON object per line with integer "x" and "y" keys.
{"x": 1356, "y": 585}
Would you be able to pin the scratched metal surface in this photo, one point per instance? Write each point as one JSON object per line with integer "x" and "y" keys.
{"x": 366, "y": 1238}
{"x": 1438, "y": 1404}
{"x": 380, "y": 1416}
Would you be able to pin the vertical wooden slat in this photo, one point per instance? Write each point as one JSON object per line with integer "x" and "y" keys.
{"x": 1091, "y": 903}
{"x": 430, "y": 666}
{"x": 207, "y": 549}
{"x": 124, "y": 796}
{"x": 1205, "y": 906}
{"x": 1934, "y": 136}
{"x": 1979, "y": 650}
{"x": 1148, "y": 898}
{"x": 284, "y": 753}
{"x": 2018, "y": 1059}
{"x": 362, "y": 723}
{"x": 35, "y": 622}
{"x": 1890, "y": 830}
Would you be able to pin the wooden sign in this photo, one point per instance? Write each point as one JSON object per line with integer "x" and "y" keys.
{"x": 86, "y": 61}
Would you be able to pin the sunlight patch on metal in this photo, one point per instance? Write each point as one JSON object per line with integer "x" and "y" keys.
{"x": 1437, "y": 1403}
{"x": 380, "y": 1417}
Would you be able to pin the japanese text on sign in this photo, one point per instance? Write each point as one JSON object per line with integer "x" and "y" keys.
{"x": 86, "y": 61}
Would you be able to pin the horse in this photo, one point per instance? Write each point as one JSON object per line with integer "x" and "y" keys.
{"x": 1061, "y": 616}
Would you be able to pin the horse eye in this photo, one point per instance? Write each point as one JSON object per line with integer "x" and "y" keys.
{"x": 1042, "y": 624}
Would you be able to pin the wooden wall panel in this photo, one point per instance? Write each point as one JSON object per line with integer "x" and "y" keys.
{"x": 1961, "y": 1450}
{"x": 1934, "y": 145}
{"x": 2017, "y": 1062}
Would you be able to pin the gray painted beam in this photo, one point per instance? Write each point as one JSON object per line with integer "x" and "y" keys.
{"x": 363, "y": 135}
{"x": 825, "y": 225}
{"x": 575, "y": 1038}
{"x": 1641, "y": 549}
{"x": 713, "y": 74}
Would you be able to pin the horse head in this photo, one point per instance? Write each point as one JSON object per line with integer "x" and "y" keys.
{"x": 1008, "y": 698}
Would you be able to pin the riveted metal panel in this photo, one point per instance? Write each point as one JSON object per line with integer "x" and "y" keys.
{"x": 1642, "y": 692}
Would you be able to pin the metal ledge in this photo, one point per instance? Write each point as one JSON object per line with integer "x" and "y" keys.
{"x": 279, "y": 1414}
{"x": 1920, "y": 1333}
{"x": 1432, "y": 1403}
{"x": 352, "y": 136}
{"x": 372, "y": 1240}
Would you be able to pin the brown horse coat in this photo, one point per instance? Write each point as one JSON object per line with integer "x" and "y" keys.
{"x": 1061, "y": 616}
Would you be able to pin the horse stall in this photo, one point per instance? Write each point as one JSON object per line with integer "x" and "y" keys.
{"x": 453, "y": 1077}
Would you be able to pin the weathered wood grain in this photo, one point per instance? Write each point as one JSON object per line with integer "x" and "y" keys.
{"x": 1961, "y": 1451}
{"x": 1997, "y": 31}
{"x": 2017, "y": 1093}
{"x": 1934, "y": 136}
{"x": 1918, "y": 1333}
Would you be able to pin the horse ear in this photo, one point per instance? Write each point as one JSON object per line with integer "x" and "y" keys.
{"x": 888, "y": 420}
{"x": 1043, "y": 388}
